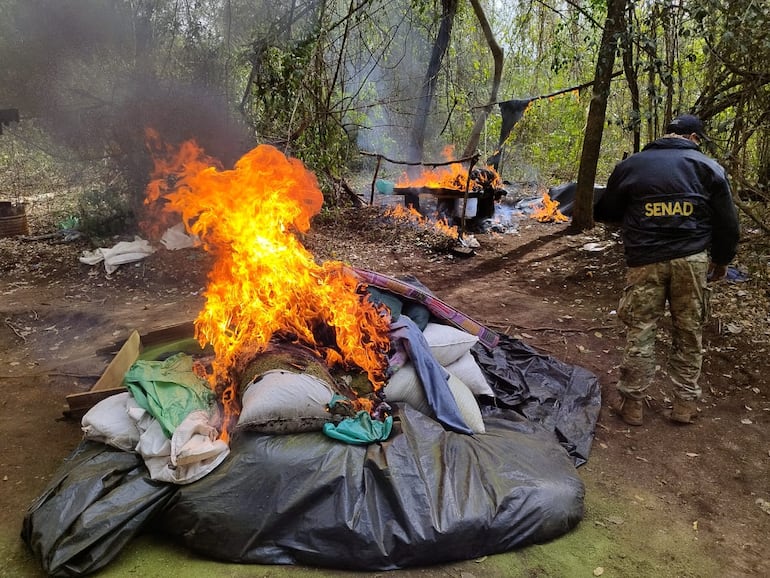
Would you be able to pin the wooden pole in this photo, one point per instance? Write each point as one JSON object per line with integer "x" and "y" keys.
{"x": 472, "y": 162}
{"x": 374, "y": 179}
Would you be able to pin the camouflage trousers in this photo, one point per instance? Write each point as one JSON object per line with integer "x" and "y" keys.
{"x": 680, "y": 284}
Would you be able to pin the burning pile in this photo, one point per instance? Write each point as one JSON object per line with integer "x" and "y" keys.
{"x": 453, "y": 176}
{"x": 460, "y": 194}
{"x": 437, "y": 232}
{"x": 265, "y": 285}
{"x": 548, "y": 211}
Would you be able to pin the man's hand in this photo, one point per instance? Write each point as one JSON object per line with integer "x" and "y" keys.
{"x": 716, "y": 272}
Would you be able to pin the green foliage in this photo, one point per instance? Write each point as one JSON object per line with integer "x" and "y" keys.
{"x": 103, "y": 213}
{"x": 290, "y": 103}
{"x": 547, "y": 141}
{"x": 320, "y": 82}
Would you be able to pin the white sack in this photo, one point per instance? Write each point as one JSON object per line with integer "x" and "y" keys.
{"x": 446, "y": 343}
{"x": 176, "y": 238}
{"x": 405, "y": 386}
{"x": 191, "y": 453}
{"x": 469, "y": 372}
{"x": 285, "y": 402}
{"x": 109, "y": 422}
{"x": 123, "y": 252}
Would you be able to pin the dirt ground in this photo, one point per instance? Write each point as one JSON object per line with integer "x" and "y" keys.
{"x": 661, "y": 500}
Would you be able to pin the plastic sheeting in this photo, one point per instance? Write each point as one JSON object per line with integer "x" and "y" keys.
{"x": 97, "y": 502}
{"x": 424, "y": 496}
{"x": 563, "y": 398}
{"x": 565, "y": 196}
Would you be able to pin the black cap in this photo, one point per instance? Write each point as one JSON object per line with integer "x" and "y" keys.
{"x": 687, "y": 124}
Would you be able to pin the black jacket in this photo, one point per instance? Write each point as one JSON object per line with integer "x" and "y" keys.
{"x": 673, "y": 201}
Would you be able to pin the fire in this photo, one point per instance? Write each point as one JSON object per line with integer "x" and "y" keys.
{"x": 549, "y": 211}
{"x": 452, "y": 176}
{"x": 264, "y": 283}
{"x": 413, "y": 216}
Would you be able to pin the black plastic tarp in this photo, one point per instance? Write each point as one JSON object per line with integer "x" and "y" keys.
{"x": 100, "y": 498}
{"x": 424, "y": 496}
{"x": 563, "y": 398}
{"x": 565, "y": 195}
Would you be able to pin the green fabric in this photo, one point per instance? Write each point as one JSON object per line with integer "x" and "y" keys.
{"x": 390, "y": 301}
{"x": 360, "y": 430}
{"x": 337, "y": 398}
{"x": 418, "y": 313}
{"x": 169, "y": 390}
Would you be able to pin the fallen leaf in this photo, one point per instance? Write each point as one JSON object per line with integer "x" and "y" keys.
{"x": 733, "y": 328}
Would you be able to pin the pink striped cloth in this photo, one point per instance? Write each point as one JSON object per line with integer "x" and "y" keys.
{"x": 435, "y": 305}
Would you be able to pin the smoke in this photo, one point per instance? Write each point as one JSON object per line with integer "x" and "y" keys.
{"x": 96, "y": 73}
{"x": 387, "y": 84}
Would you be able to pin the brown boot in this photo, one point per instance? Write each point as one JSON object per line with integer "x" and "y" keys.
{"x": 631, "y": 410}
{"x": 684, "y": 411}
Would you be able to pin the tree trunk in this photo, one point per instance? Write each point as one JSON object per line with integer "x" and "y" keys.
{"x": 425, "y": 101}
{"x": 671, "y": 47}
{"x": 632, "y": 79}
{"x": 583, "y": 215}
{"x": 497, "y": 54}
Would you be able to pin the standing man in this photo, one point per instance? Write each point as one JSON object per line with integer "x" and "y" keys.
{"x": 679, "y": 231}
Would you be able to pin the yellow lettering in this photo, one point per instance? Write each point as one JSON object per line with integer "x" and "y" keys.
{"x": 676, "y": 209}
{"x": 668, "y": 209}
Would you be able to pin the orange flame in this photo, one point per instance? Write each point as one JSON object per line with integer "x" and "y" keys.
{"x": 549, "y": 211}
{"x": 452, "y": 176}
{"x": 264, "y": 282}
{"x": 411, "y": 215}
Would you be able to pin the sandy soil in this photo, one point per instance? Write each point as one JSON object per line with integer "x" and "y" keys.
{"x": 661, "y": 499}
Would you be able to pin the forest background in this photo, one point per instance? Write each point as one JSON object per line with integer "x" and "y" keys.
{"x": 327, "y": 80}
